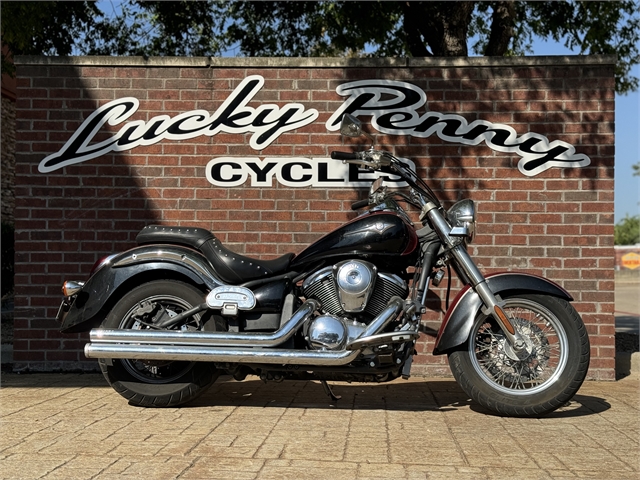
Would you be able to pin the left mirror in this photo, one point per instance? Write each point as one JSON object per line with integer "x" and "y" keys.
{"x": 350, "y": 126}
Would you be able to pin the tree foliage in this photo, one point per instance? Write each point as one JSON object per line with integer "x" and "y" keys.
{"x": 325, "y": 28}
{"x": 44, "y": 28}
{"x": 627, "y": 231}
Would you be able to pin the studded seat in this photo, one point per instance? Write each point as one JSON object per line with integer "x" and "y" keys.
{"x": 231, "y": 267}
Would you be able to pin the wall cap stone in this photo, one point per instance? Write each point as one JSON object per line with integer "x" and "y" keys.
{"x": 317, "y": 62}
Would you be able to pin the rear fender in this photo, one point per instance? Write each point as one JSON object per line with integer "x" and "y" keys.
{"x": 129, "y": 269}
{"x": 457, "y": 323}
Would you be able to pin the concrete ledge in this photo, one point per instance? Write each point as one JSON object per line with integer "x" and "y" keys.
{"x": 627, "y": 276}
{"x": 627, "y": 363}
{"x": 317, "y": 62}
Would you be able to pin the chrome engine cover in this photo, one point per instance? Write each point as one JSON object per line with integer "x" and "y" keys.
{"x": 328, "y": 332}
{"x": 355, "y": 280}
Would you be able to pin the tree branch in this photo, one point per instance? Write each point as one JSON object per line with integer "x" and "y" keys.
{"x": 444, "y": 26}
{"x": 502, "y": 28}
{"x": 415, "y": 43}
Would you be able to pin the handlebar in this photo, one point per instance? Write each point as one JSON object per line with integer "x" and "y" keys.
{"x": 344, "y": 155}
{"x": 359, "y": 204}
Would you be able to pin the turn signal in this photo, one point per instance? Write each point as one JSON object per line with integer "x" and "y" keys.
{"x": 70, "y": 288}
{"x": 505, "y": 320}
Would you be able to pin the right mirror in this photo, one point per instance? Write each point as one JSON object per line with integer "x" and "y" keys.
{"x": 350, "y": 126}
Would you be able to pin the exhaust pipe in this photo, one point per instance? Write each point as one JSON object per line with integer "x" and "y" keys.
{"x": 220, "y": 354}
{"x": 173, "y": 348}
{"x": 390, "y": 312}
{"x": 208, "y": 339}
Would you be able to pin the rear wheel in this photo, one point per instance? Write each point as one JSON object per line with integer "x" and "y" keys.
{"x": 150, "y": 383}
{"x": 530, "y": 383}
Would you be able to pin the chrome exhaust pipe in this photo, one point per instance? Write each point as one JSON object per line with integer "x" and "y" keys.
{"x": 382, "y": 339}
{"x": 220, "y": 354}
{"x": 217, "y": 353}
{"x": 208, "y": 339}
{"x": 391, "y": 311}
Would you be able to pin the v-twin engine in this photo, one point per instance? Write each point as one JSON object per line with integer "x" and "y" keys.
{"x": 351, "y": 294}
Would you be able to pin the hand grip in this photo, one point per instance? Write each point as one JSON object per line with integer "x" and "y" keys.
{"x": 359, "y": 204}
{"x": 344, "y": 155}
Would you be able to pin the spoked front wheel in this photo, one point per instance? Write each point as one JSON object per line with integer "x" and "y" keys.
{"x": 533, "y": 382}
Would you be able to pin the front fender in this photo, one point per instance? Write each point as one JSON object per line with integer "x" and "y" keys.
{"x": 127, "y": 270}
{"x": 458, "y": 321}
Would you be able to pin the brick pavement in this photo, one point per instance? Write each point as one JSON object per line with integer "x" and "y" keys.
{"x": 73, "y": 426}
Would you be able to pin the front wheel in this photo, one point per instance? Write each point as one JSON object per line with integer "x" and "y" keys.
{"x": 531, "y": 383}
{"x": 151, "y": 383}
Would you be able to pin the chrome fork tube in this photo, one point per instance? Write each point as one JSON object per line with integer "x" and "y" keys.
{"x": 476, "y": 279}
{"x": 492, "y": 306}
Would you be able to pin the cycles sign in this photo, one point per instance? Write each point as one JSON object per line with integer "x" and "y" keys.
{"x": 395, "y": 108}
{"x": 294, "y": 172}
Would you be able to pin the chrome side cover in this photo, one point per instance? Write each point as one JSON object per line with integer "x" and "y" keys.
{"x": 231, "y": 299}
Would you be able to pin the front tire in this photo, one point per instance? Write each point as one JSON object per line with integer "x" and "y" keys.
{"x": 534, "y": 383}
{"x": 149, "y": 383}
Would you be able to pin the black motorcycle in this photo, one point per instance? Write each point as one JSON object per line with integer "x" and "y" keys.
{"x": 180, "y": 309}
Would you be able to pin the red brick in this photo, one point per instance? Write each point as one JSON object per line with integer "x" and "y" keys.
{"x": 548, "y": 222}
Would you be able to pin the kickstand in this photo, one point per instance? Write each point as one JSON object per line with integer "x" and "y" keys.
{"x": 327, "y": 390}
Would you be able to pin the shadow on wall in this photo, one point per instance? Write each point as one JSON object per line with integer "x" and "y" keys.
{"x": 538, "y": 100}
{"x": 69, "y": 218}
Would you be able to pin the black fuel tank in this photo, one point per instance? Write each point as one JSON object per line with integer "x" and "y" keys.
{"x": 379, "y": 237}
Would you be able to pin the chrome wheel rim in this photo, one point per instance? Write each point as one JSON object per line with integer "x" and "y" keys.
{"x": 138, "y": 317}
{"x": 547, "y": 349}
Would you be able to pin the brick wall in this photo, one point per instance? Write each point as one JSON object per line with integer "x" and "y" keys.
{"x": 558, "y": 223}
{"x": 8, "y": 158}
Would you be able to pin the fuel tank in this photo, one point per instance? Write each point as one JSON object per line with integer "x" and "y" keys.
{"x": 383, "y": 238}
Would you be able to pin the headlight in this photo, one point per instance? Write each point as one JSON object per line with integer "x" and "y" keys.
{"x": 462, "y": 217}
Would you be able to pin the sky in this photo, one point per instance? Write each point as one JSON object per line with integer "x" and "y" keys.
{"x": 627, "y": 140}
{"x": 627, "y": 187}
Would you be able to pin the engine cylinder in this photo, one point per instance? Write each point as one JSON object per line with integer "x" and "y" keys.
{"x": 329, "y": 289}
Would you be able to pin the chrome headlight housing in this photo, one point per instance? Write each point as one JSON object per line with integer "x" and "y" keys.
{"x": 462, "y": 217}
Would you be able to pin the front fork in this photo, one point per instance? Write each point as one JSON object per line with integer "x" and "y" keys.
{"x": 492, "y": 305}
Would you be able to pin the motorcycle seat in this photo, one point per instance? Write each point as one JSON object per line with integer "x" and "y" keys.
{"x": 231, "y": 267}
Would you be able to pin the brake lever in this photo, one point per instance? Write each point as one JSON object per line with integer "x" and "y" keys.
{"x": 373, "y": 159}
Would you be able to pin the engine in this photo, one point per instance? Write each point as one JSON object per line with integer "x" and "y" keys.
{"x": 351, "y": 293}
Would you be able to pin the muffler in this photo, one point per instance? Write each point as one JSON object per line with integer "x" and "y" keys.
{"x": 208, "y": 339}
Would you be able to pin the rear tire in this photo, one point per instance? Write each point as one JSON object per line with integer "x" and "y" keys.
{"x": 538, "y": 382}
{"x": 148, "y": 383}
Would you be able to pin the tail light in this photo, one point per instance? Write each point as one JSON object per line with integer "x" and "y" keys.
{"x": 99, "y": 264}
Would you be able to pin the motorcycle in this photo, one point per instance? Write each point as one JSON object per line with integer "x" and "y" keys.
{"x": 168, "y": 317}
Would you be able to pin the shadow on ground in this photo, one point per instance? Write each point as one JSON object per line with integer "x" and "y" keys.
{"x": 415, "y": 395}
